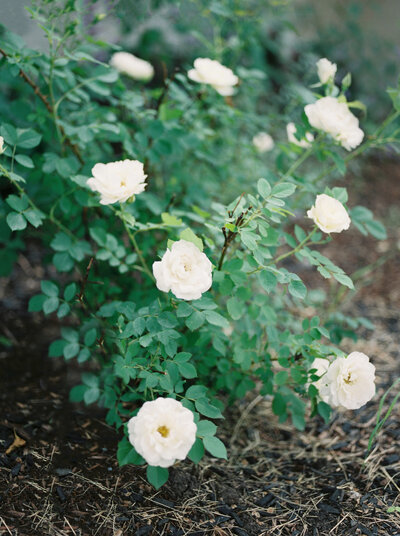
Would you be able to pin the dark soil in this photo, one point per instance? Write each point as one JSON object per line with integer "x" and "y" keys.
{"x": 64, "y": 480}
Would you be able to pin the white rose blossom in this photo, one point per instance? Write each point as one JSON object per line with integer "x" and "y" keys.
{"x": 118, "y": 181}
{"x": 162, "y": 432}
{"x": 335, "y": 118}
{"x": 136, "y": 68}
{"x": 211, "y": 72}
{"x": 349, "y": 382}
{"x": 326, "y": 70}
{"x": 291, "y": 131}
{"x": 2, "y": 148}
{"x": 184, "y": 270}
{"x": 263, "y": 142}
{"x": 329, "y": 214}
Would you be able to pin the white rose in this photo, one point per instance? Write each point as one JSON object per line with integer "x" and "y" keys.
{"x": 329, "y": 214}
{"x": 335, "y": 118}
{"x": 134, "y": 67}
{"x": 184, "y": 270}
{"x": 321, "y": 365}
{"x": 326, "y": 70}
{"x": 221, "y": 78}
{"x": 2, "y": 149}
{"x": 162, "y": 432}
{"x": 349, "y": 382}
{"x": 118, "y": 181}
{"x": 263, "y": 142}
{"x": 291, "y": 131}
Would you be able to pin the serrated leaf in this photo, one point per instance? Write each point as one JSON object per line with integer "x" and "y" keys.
{"x": 297, "y": 289}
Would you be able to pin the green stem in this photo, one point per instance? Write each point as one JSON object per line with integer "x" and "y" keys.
{"x": 134, "y": 243}
{"x": 297, "y": 163}
{"x": 295, "y": 250}
{"x": 288, "y": 253}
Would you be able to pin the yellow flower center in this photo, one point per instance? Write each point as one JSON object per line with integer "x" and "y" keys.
{"x": 348, "y": 379}
{"x": 163, "y": 430}
{"x": 122, "y": 183}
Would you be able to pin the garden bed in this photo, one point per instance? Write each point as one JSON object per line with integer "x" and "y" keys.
{"x": 65, "y": 478}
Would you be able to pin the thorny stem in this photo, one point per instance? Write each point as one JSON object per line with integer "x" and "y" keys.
{"x": 230, "y": 235}
{"x": 50, "y": 109}
{"x": 85, "y": 280}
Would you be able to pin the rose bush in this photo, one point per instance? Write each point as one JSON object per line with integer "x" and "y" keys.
{"x": 179, "y": 301}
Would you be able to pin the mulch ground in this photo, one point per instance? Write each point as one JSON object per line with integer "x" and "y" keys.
{"x": 63, "y": 479}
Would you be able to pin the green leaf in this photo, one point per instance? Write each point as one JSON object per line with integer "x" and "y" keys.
{"x": 90, "y": 337}
{"x": 215, "y": 447}
{"x": 157, "y": 476}
{"x": 16, "y": 221}
{"x": 56, "y": 348}
{"x": 377, "y": 229}
{"x": 279, "y": 404}
{"x": 49, "y": 288}
{"x": 187, "y": 370}
{"x": 236, "y": 308}
{"x": 27, "y": 139}
{"x": 188, "y": 234}
{"x": 249, "y": 239}
{"x": 36, "y": 303}
{"x": 77, "y": 393}
{"x": 197, "y": 451}
{"x": 264, "y": 188}
{"x": 281, "y": 377}
{"x": 18, "y": 203}
{"x": 71, "y": 350}
{"x": 63, "y": 310}
{"x": 284, "y": 189}
{"x": 344, "y": 280}
{"x": 50, "y": 305}
{"x": 61, "y": 242}
{"x": 171, "y": 221}
{"x": 69, "y": 292}
{"x": 216, "y": 319}
{"x": 206, "y": 428}
{"x": 195, "y": 320}
{"x": 297, "y": 289}
{"x": 91, "y": 395}
{"x": 204, "y": 407}
{"x": 126, "y": 454}
{"x": 324, "y": 410}
{"x": 268, "y": 280}
{"x": 9, "y": 133}
{"x": 24, "y": 160}
{"x": 35, "y": 217}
